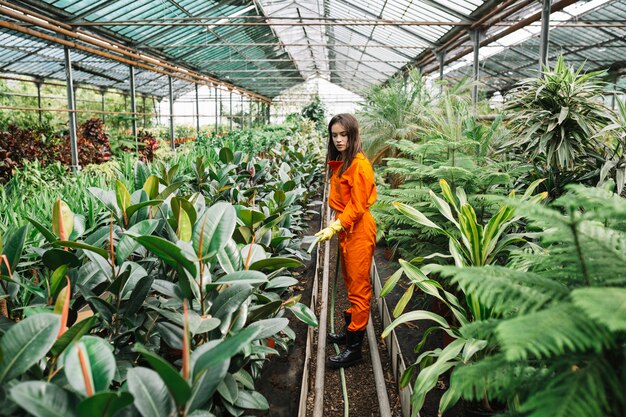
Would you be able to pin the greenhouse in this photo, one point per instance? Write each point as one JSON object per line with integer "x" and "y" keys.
{"x": 307, "y": 208}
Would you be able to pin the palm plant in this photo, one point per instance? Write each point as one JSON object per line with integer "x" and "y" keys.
{"x": 555, "y": 119}
{"x": 393, "y": 112}
{"x": 560, "y": 334}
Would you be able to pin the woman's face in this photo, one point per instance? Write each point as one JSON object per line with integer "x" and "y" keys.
{"x": 340, "y": 137}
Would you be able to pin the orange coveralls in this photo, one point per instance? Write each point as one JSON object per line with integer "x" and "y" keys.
{"x": 350, "y": 196}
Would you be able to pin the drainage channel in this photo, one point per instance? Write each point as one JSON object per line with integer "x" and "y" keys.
{"x": 312, "y": 398}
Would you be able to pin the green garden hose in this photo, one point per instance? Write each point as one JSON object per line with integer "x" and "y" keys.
{"x": 344, "y": 388}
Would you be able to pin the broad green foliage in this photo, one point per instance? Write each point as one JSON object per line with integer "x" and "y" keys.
{"x": 558, "y": 346}
{"x": 194, "y": 255}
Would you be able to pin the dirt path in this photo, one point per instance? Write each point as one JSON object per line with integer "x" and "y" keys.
{"x": 362, "y": 398}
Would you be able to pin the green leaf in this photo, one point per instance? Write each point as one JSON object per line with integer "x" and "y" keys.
{"x": 25, "y": 343}
{"x": 214, "y": 229}
{"x": 269, "y": 327}
{"x": 42, "y": 399}
{"x": 167, "y": 251}
{"x": 178, "y": 203}
{"x": 56, "y": 257}
{"x": 258, "y": 253}
{"x": 57, "y": 278}
{"x": 151, "y": 187}
{"x": 122, "y": 196}
{"x": 152, "y": 398}
{"x": 250, "y": 217}
{"x": 47, "y": 233}
{"x": 226, "y": 155}
{"x": 178, "y": 387}
{"x": 304, "y": 314}
{"x": 13, "y": 247}
{"x": 83, "y": 246}
{"x": 391, "y": 282}
{"x": 264, "y": 311}
{"x": 72, "y": 334}
{"x": 415, "y": 315}
{"x": 104, "y": 404}
{"x": 99, "y": 360}
{"x": 138, "y": 296}
{"x": 428, "y": 377}
{"x": 229, "y": 257}
{"x": 606, "y": 305}
{"x": 242, "y": 277}
{"x": 404, "y": 300}
{"x": 281, "y": 282}
{"x": 62, "y": 220}
{"x": 275, "y": 263}
{"x": 443, "y": 207}
{"x": 252, "y": 400}
{"x": 130, "y": 210}
{"x": 206, "y": 384}
{"x": 183, "y": 231}
{"x": 415, "y": 215}
{"x": 126, "y": 245}
{"x": 210, "y": 355}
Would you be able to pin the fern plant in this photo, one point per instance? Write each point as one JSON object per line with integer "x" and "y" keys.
{"x": 560, "y": 336}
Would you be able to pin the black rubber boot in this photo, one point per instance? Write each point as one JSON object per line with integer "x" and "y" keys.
{"x": 352, "y": 355}
{"x": 340, "y": 338}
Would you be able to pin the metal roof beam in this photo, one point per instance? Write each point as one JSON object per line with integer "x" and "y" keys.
{"x": 369, "y": 13}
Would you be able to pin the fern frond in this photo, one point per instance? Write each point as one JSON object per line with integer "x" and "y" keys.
{"x": 506, "y": 290}
{"x": 494, "y": 378}
{"x": 574, "y": 392}
{"x": 606, "y": 306}
{"x": 550, "y": 332}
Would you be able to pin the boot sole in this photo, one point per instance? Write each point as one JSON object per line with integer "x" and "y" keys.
{"x": 337, "y": 365}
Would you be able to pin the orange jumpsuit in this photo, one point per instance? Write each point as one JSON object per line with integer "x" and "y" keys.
{"x": 350, "y": 196}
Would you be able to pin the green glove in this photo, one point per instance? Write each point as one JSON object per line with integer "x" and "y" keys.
{"x": 328, "y": 232}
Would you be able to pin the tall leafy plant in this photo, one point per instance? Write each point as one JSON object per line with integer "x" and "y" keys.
{"x": 555, "y": 119}
{"x": 472, "y": 243}
{"x": 393, "y": 112}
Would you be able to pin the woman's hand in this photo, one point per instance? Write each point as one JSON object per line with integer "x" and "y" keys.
{"x": 329, "y": 232}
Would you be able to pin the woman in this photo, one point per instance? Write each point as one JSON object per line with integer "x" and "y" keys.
{"x": 352, "y": 192}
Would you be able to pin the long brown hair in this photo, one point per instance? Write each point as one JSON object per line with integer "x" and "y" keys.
{"x": 351, "y": 125}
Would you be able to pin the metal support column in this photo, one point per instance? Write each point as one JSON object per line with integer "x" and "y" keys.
{"x": 230, "y": 109}
{"x": 38, "y": 84}
{"x": 216, "y": 110}
{"x": 442, "y": 59}
{"x": 249, "y": 112}
{"x": 133, "y": 106}
{"x": 545, "y": 34}
{"x": 197, "y": 113}
{"x": 171, "y": 97}
{"x": 242, "y": 121}
{"x": 102, "y": 105}
{"x": 476, "y": 68}
{"x": 71, "y": 105}
{"x": 143, "y": 110}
